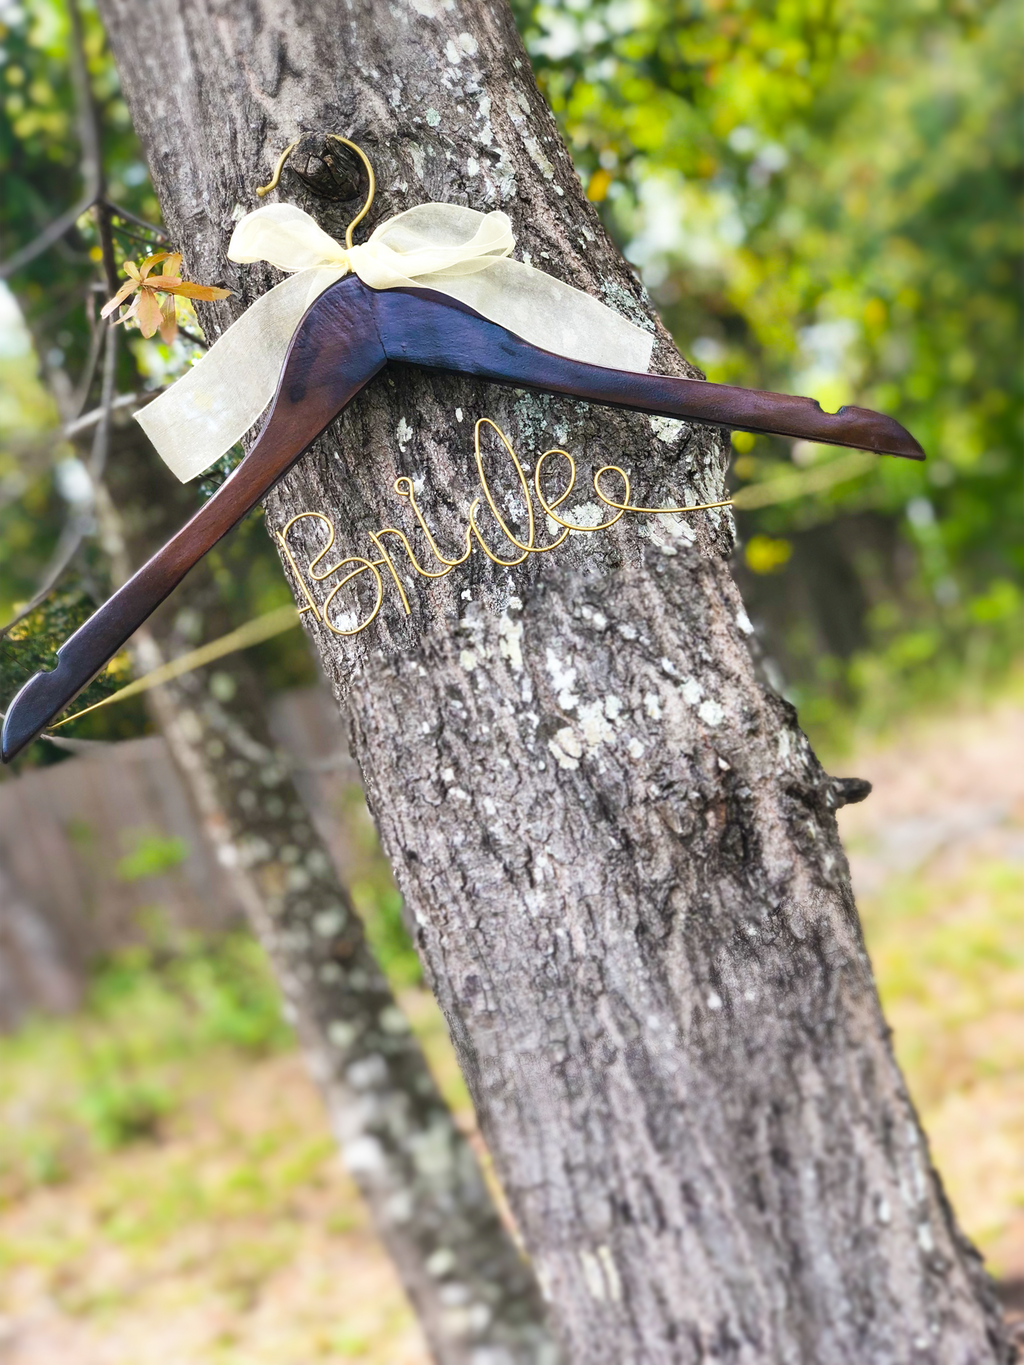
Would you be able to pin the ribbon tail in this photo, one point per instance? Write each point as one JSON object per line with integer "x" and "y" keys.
{"x": 211, "y": 407}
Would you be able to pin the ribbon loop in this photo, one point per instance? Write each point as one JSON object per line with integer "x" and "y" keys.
{"x": 282, "y": 235}
{"x": 455, "y": 250}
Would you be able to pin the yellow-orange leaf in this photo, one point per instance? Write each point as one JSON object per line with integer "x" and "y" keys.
{"x": 168, "y": 319}
{"x": 147, "y": 312}
{"x": 146, "y": 309}
{"x": 118, "y": 298}
{"x": 207, "y": 292}
{"x": 150, "y": 261}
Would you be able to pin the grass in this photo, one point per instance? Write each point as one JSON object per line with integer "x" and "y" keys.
{"x": 169, "y": 1188}
{"x": 233, "y": 1237}
{"x": 949, "y": 959}
{"x": 70, "y": 1089}
{"x": 963, "y": 694}
{"x": 878, "y": 695}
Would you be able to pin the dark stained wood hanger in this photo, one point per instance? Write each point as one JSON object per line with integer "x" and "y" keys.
{"x": 346, "y": 336}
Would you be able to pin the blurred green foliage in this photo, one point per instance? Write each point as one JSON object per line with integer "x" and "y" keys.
{"x": 152, "y": 855}
{"x": 60, "y": 291}
{"x": 179, "y": 1203}
{"x": 821, "y": 196}
{"x": 379, "y": 905}
{"x": 375, "y": 897}
{"x": 119, "y": 1069}
{"x": 43, "y": 482}
{"x": 827, "y": 198}
{"x": 948, "y": 956}
{"x": 115, "y": 1072}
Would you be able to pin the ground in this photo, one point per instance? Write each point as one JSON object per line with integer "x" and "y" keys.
{"x": 198, "y": 1214}
{"x": 235, "y": 1238}
{"x": 937, "y": 854}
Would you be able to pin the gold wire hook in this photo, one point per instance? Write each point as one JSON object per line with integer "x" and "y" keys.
{"x": 265, "y": 189}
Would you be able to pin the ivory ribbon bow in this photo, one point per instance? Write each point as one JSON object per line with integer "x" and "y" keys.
{"x": 446, "y": 247}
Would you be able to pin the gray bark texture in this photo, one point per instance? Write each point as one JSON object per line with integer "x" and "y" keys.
{"x": 474, "y": 1295}
{"x": 618, "y": 854}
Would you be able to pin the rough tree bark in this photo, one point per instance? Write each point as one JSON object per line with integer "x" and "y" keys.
{"x": 475, "y": 1298}
{"x": 618, "y": 853}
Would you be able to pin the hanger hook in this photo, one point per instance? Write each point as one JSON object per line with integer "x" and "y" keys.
{"x": 265, "y": 189}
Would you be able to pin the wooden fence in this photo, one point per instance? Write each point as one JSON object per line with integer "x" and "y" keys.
{"x": 92, "y": 848}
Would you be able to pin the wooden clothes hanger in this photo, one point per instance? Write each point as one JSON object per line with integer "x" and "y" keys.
{"x": 346, "y": 337}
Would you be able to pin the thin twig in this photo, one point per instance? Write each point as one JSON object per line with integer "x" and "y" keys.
{"x": 49, "y": 235}
{"x": 70, "y": 539}
{"x": 91, "y": 149}
{"x": 80, "y": 521}
{"x": 89, "y": 419}
{"x": 90, "y": 134}
{"x": 108, "y": 260}
{"x": 84, "y": 386}
{"x": 101, "y": 438}
{"x": 57, "y": 306}
{"x": 73, "y": 746}
{"x": 195, "y": 340}
{"x": 77, "y": 746}
{"x": 134, "y": 218}
{"x": 133, "y": 236}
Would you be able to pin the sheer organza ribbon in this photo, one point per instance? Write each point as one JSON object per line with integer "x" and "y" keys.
{"x": 454, "y": 250}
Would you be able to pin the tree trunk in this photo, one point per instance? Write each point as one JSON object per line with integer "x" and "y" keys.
{"x": 428, "y": 1202}
{"x": 618, "y": 853}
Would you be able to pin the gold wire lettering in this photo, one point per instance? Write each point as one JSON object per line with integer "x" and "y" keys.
{"x": 404, "y": 489}
{"x": 283, "y": 538}
{"x": 528, "y": 547}
{"x": 375, "y": 536}
{"x": 372, "y": 566}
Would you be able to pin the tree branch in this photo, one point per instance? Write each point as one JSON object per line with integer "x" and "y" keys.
{"x": 49, "y": 235}
{"x": 134, "y": 236}
{"x": 84, "y": 385}
{"x": 79, "y": 521}
{"x": 130, "y": 217}
{"x": 89, "y": 419}
{"x": 101, "y": 438}
{"x": 91, "y": 155}
{"x": 67, "y": 546}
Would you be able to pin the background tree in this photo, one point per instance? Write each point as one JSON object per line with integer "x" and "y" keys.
{"x": 421, "y": 1179}
{"x": 469, "y": 1285}
{"x": 628, "y": 886}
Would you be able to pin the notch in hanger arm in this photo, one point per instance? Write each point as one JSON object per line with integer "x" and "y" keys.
{"x": 421, "y": 327}
{"x": 347, "y": 335}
